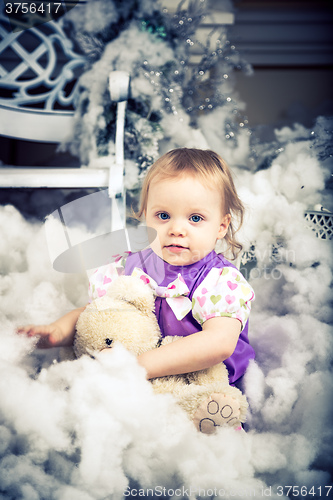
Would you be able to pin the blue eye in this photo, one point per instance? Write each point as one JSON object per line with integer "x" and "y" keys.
{"x": 195, "y": 218}
{"x": 163, "y": 216}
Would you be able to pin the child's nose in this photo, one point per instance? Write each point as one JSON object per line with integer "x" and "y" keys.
{"x": 177, "y": 229}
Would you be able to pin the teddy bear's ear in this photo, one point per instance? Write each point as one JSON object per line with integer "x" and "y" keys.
{"x": 133, "y": 290}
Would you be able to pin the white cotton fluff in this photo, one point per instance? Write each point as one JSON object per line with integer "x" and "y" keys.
{"x": 213, "y": 128}
{"x": 180, "y": 133}
{"x": 13, "y": 240}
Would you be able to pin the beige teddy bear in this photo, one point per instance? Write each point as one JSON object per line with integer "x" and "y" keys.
{"x": 126, "y": 314}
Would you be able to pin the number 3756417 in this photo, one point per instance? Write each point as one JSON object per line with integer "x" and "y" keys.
{"x": 32, "y": 8}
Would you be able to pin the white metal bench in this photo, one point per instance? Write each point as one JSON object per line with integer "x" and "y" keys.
{"x": 37, "y": 66}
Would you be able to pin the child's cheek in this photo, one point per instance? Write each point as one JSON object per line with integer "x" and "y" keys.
{"x": 156, "y": 246}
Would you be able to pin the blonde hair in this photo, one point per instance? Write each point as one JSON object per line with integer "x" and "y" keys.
{"x": 213, "y": 170}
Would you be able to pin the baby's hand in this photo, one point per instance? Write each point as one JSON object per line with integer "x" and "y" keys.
{"x": 49, "y": 335}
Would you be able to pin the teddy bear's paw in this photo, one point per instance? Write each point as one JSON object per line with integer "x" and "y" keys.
{"x": 216, "y": 411}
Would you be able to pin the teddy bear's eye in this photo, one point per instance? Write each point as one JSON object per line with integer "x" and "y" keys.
{"x": 108, "y": 341}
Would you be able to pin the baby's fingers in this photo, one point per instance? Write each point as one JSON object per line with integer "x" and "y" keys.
{"x": 44, "y": 333}
{"x": 26, "y": 329}
{"x": 32, "y": 330}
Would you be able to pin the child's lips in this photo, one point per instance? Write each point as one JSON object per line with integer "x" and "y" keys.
{"x": 176, "y": 248}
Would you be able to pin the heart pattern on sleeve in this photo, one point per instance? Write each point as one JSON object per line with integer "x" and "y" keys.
{"x": 224, "y": 292}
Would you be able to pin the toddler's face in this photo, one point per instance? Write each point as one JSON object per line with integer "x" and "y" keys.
{"x": 188, "y": 218}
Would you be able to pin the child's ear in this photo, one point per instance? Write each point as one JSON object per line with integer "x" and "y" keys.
{"x": 224, "y": 226}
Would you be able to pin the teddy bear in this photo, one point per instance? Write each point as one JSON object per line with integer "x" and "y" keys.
{"x": 125, "y": 314}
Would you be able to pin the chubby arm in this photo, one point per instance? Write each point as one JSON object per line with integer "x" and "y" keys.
{"x": 60, "y": 333}
{"x": 213, "y": 344}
